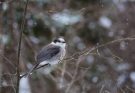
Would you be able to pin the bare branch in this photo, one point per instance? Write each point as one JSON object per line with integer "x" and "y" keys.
{"x": 8, "y": 61}
{"x": 89, "y": 50}
{"x": 19, "y": 47}
{"x": 74, "y": 77}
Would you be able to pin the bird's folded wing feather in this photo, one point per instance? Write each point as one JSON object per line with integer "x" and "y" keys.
{"x": 47, "y": 53}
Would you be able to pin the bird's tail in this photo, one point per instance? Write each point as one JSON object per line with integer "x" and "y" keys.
{"x": 34, "y": 68}
{"x": 30, "y": 72}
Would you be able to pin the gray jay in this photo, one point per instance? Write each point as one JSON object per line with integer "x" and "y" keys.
{"x": 51, "y": 54}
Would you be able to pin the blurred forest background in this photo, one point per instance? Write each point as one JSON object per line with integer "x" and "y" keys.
{"x": 100, "y": 38}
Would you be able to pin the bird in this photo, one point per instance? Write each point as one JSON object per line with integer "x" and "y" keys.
{"x": 51, "y": 54}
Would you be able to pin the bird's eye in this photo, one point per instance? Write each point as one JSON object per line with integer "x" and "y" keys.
{"x": 56, "y": 40}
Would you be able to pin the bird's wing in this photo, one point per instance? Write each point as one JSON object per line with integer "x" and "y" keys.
{"x": 47, "y": 53}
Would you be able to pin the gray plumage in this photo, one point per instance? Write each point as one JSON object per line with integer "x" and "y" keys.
{"x": 47, "y": 53}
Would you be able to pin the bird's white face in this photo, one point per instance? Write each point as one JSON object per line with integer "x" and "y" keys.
{"x": 59, "y": 42}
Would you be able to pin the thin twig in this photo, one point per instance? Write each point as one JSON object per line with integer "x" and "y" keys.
{"x": 132, "y": 90}
{"x": 111, "y": 42}
{"x": 12, "y": 84}
{"x": 89, "y": 50}
{"x": 8, "y": 61}
{"x": 62, "y": 74}
{"x": 74, "y": 77}
{"x": 102, "y": 88}
{"x": 19, "y": 47}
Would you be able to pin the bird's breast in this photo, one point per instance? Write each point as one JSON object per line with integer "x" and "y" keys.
{"x": 63, "y": 52}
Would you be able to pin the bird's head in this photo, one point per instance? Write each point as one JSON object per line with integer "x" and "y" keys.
{"x": 59, "y": 42}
